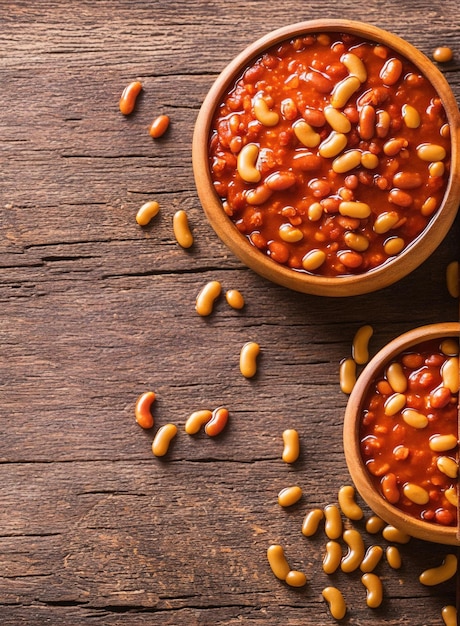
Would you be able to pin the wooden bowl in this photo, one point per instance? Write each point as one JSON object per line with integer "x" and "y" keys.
{"x": 412, "y": 525}
{"x": 392, "y": 269}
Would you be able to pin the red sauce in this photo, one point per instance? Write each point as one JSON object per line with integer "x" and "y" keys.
{"x": 296, "y": 207}
{"x": 398, "y": 454}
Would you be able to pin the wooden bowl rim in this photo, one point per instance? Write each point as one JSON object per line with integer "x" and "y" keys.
{"x": 356, "y": 467}
{"x": 392, "y": 270}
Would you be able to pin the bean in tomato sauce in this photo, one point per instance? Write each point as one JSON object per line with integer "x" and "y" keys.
{"x": 330, "y": 153}
{"x": 409, "y": 435}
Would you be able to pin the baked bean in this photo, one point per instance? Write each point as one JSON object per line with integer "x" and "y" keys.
{"x": 374, "y": 588}
{"x": 306, "y": 134}
{"x": 407, "y": 180}
{"x": 277, "y": 561}
{"x": 129, "y": 96}
{"x": 441, "y": 573}
{"x": 382, "y": 124}
{"x": 450, "y": 374}
{"x": 354, "y": 66}
{"x": 393, "y": 246}
{"x": 206, "y": 298}
{"x": 449, "y": 615}
{"x": 289, "y": 496}
{"x": 394, "y": 404}
{"x": 443, "y": 54}
{"x": 390, "y": 533}
{"x": 143, "y": 409}
{"x": 394, "y": 146}
{"x": 311, "y": 522}
{"x": 164, "y": 435}
{"x": 429, "y": 206}
{"x": 217, "y": 423}
{"x": 347, "y": 375}
{"x": 258, "y": 195}
{"x": 333, "y": 557}
{"x": 393, "y": 557}
{"x": 336, "y": 602}
{"x": 396, "y": 377}
{"x": 416, "y": 493}
{"x": 333, "y": 521}
{"x": 369, "y": 161}
{"x": 332, "y": 145}
{"x": 431, "y": 152}
{"x": 447, "y": 466}
{"x": 356, "y": 242}
{"x": 147, "y": 212}
{"x": 374, "y": 524}
{"x": 343, "y": 91}
{"x": 360, "y": 345}
{"x": 263, "y": 113}
{"x": 279, "y": 181}
{"x": 319, "y": 82}
{"x": 337, "y": 120}
{"x": 313, "y": 259}
{"x": 290, "y": 233}
{"x": 296, "y": 579}
{"x": 360, "y": 210}
{"x": 181, "y": 229}
{"x": 390, "y": 487}
{"x": 449, "y": 347}
{"x": 248, "y": 359}
{"x": 452, "y": 497}
{"x": 159, "y": 126}
{"x": 415, "y": 418}
{"x": 246, "y": 163}
{"x": 410, "y": 116}
{"x": 442, "y": 443}
{"x": 391, "y": 71}
{"x": 234, "y": 299}
{"x": 346, "y": 161}
{"x": 400, "y": 197}
{"x": 367, "y": 118}
{"x": 315, "y": 212}
{"x": 196, "y": 420}
{"x": 453, "y": 279}
{"x": 291, "y": 448}
{"x": 436, "y": 169}
{"x": 371, "y": 558}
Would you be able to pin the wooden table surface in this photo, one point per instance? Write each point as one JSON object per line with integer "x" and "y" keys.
{"x": 95, "y": 310}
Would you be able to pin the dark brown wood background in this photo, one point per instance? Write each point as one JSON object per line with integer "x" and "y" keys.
{"x": 95, "y": 310}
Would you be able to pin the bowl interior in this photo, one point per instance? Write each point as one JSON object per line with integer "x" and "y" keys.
{"x": 393, "y": 269}
{"x": 351, "y": 436}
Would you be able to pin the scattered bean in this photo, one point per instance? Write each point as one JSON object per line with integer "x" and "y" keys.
{"x": 332, "y": 558}
{"x": 291, "y": 446}
{"x": 159, "y": 126}
{"x": 438, "y": 575}
{"x": 128, "y": 97}
{"x": 296, "y": 579}
{"x": 371, "y": 558}
{"x": 277, "y": 561}
{"x": 217, "y": 422}
{"x": 449, "y": 615}
{"x": 374, "y": 588}
{"x": 143, "y": 409}
{"x": 360, "y": 345}
{"x": 443, "y": 54}
{"x": 356, "y": 550}
{"x": 248, "y": 359}
{"x": 165, "y": 434}
{"x": 196, "y": 420}
{"x": 336, "y": 602}
{"x": 374, "y": 524}
{"x": 147, "y": 212}
{"x": 289, "y": 496}
{"x": 348, "y": 504}
{"x": 393, "y": 557}
{"x": 206, "y": 298}
{"x": 311, "y": 522}
{"x": 390, "y": 533}
{"x": 234, "y": 299}
{"x": 333, "y": 524}
{"x": 181, "y": 229}
{"x": 347, "y": 375}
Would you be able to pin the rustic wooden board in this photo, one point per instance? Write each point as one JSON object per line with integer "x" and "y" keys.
{"x": 95, "y": 310}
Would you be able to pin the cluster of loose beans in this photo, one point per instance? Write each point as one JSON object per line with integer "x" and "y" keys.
{"x": 342, "y": 533}
{"x": 330, "y": 153}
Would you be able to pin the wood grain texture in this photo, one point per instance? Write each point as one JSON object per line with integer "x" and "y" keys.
{"x": 95, "y": 310}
